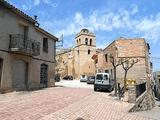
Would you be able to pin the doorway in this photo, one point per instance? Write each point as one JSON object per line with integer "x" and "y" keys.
{"x": 20, "y": 74}
{"x": 44, "y": 75}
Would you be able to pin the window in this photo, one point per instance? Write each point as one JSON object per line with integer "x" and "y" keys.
{"x": 45, "y": 45}
{"x": 105, "y": 77}
{"x": 106, "y": 71}
{"x": 99, "y": 77}
{"x": 79, "y": 41}
{"x": 78, "y": 51}
{"x": 96, "y": 61}
{"x": 86, "y": 41}
{"x": 89, "y": 51}
{"x": 90, "y": 41}
{"x": 106, "y": 57}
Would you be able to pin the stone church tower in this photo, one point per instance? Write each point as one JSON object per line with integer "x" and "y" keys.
{"x": 84, "y": 50}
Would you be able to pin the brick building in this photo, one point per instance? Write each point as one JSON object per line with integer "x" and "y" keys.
{"x": 136, "y": 48}
{"x": 126, "y": 48}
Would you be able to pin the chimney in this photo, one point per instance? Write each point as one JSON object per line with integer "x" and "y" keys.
{"x": 35, "y": 18}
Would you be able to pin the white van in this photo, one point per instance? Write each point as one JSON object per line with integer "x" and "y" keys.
{"x": 103, "y": 82}
{"x": 83, "y": 78}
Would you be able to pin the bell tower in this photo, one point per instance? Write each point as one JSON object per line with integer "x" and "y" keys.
{"x": 85, "y": 37}
{"x": 84, "y": 50}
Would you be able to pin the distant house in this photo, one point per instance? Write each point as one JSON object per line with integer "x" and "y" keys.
{"x": 27, "y": 51}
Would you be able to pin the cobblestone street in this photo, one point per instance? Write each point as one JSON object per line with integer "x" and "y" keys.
{"x": 64, "y": 103}
{"x": 37, "y": 104}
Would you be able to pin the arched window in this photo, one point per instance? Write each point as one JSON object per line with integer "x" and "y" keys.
{"x": 86, "y": 41}
{"x": 89, "y": 51}
{"x": 90, "y": 41}
{"x": 79, "y": 41}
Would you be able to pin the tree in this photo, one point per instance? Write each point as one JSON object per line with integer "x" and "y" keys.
{"x": 115, "y": 63}
{"x": 128, "y": 63}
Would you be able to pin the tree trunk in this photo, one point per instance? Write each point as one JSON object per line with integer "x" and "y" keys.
{"x": 115, "y": 82}
{"x": 125, "y": 77}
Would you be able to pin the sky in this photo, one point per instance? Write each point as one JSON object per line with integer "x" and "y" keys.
{"x": 108, "y": 19}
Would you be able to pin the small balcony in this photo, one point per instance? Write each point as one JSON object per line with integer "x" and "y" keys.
{"x": 24, "y": 45}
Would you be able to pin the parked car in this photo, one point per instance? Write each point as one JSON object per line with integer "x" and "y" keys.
{"x": 83, "y": 78}
{"x": 57, "y": 78}
{"x": 103, "y": 82}
{"x": 68, "y": 77}
{"x": 90, "y": 79}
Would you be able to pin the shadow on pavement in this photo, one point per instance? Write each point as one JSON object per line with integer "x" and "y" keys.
{"x": 79, "y": 118}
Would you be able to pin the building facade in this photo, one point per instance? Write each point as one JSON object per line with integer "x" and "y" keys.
{"x": 139, "y": 77}
{"x": 27, "y": 51}
{"x": 79, "y": 59}
{"x": 127, "y": 48}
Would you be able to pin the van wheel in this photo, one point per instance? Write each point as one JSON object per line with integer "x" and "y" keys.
{"x": 95, "y": 89}
{"x": 109, "y": 90}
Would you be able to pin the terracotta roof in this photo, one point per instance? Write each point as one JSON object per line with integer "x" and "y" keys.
{"x": 16, "y": 11}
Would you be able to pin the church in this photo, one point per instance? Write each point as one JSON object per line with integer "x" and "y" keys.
{"x": 78, "y": 60}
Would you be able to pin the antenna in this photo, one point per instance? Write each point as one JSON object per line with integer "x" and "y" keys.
{"x": 60, "y": 40}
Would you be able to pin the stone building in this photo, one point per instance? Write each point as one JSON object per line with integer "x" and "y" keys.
{"x": 79, "y": 59}
{"x": 27, "y": 51}
{"x": 62, "y": 65}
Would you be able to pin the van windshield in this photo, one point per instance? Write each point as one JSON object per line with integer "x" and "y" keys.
{"x": 99, "y": 77}
{"x": 92, "y": 77}
{"x": 83, "y": 76}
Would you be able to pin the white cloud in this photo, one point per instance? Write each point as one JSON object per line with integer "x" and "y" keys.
{"x": 105, "y": 20}
{"x": 135, "y": 9}
{"x": 96, "y": 21}
{"x": 37, "y": 2}
{"x": 29, "y": 4}
{"x": 25, "y": 7}
{"x": 150, "y": 28}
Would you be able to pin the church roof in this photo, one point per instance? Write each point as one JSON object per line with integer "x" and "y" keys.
{"x": 85, "y": 31}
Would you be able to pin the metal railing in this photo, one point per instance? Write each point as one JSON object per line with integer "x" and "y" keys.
{"x": 20, "y": 43}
